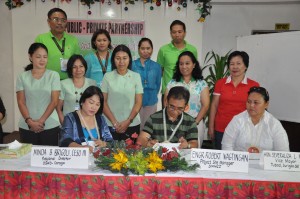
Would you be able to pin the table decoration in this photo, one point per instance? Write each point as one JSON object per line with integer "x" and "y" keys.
{"x": 130, "y": 157}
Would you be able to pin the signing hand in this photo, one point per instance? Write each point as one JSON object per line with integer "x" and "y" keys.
{"x": 99, "y": 143}
{"x": 183, "y": 143}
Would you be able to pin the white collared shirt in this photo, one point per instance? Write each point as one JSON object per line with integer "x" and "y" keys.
{"x": 268, "y": 134}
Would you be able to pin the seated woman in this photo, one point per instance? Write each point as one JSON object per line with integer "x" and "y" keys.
{"x": 87, "y": 124}
{"x": 255, "y": 129}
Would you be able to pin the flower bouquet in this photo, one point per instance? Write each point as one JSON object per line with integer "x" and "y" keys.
{"x": 129, "y": 157}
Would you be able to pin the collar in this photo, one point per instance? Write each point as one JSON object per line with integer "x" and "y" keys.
{"x": 64, "y": 35}
{"x": 126, "y": 75}
{"x": 172, "y": 45}
{"x": 263, "y": 118}
{"x": 146, "y": 61}
{"x": 244, "y": 81}
{"x": 182, "y": 81}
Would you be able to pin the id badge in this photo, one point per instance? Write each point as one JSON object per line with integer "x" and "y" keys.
{"x": 76, "y": 107}
{"x": 63, "y": 64}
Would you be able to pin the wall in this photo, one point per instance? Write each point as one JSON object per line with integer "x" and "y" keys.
{"x": 6, "y": 67}
{"x": 232, "y": 19}
{"x": 20, "y": 26}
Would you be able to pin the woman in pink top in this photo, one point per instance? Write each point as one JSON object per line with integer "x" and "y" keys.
{"x": 230, "y": 96}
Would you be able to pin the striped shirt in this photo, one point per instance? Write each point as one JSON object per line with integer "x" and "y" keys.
{"x": 155, "y": 127}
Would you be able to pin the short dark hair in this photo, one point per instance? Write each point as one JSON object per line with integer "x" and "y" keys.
{"x": 53, "y": 10}
{"x": 196, "y": 73}
{"x": 100, "y": 32}
{"x": 177, "y": 22}
{"x": 89, "y": 92}
{"x": 179, "y": 93}
{"x": 33, "y": 47}
{"x": 71, "y": 62}
{"x": 242, "y": 54}
{"x": 260, "y": 90}
{"x": 147, "y": 40}
{"x": 117, "y": 49}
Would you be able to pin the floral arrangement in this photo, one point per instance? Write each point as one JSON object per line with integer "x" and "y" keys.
{"x": 129, "y": 157}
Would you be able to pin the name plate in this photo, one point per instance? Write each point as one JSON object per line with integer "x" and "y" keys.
{"x": 282, "y": 161}
{"x": 217, "y": 160}
{"x": 59, "y": 157}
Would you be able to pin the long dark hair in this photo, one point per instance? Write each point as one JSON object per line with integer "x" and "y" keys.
{"x": 196, "y": 73}
{"x": 89, "y": 92}
{"x": 33, "y": 47}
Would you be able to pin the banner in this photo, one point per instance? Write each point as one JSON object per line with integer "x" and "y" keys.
{"x": 124, "y": 32}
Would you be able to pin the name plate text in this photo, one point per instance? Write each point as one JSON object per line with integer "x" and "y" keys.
{"x": 217, "y": 160}
{"x": 282, "y": 161}
{"x": 59, "y": 157}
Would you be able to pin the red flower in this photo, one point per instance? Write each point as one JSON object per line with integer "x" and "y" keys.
{"x": 43, "y": 185}
{"x": 96, "y": 154}
{"x": 173, "y": 154}
{"x": 134, "y": 135}
{"x": 68, "y": 186}
{"x": 107, "y": 152}
{"x": 164, "y": 150}
{"x": 17, "y": 184}
{"x": 92, "y": 186}
{"x": 128, "y": 141}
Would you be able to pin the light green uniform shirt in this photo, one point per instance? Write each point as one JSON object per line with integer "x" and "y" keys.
{"x": 54, "y": 54}
{"x": 167, "y": 57}
{"x": 71, "y": 95}
{"x": 38, "y": 96}
{"x": 121, "y": 91}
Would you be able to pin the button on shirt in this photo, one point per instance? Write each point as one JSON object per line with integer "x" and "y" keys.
{"x": 232, "y": 100}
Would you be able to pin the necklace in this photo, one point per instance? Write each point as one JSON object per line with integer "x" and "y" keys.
{"x": 87, "y": 128}
{"x": 104, "y": 67}
{"x": 173, "y": 130}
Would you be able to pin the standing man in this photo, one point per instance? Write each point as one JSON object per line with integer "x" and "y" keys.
{"x": 168, "y": 54}
{"x": 61, "y": 46}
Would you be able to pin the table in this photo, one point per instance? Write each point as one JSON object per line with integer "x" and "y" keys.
{"x": 19, "y": 180}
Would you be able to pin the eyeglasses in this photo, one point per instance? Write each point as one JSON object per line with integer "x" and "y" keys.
{"x": 56, "y": 20}
{"x": 174, "y": 108}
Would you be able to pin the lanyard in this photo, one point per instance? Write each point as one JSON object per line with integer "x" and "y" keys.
{"x": 87, "y": 128}
{"x": 62, "y": 50}
{"x": 100, "y": 61}
{"x": 173, "y": 130}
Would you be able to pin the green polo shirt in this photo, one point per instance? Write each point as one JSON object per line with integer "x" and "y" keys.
{"x": 38, "y": 93}
{"x": 167, "y": 57}
{"x": 121, "y": 91}
{"x": 54, "y": 54}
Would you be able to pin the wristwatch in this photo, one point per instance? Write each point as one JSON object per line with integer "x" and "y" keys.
{"x": 131, "y": 120}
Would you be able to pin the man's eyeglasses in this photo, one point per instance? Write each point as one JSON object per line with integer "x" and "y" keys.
{"x": 56, "y": 20}
{"x": 174, "y": 108}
